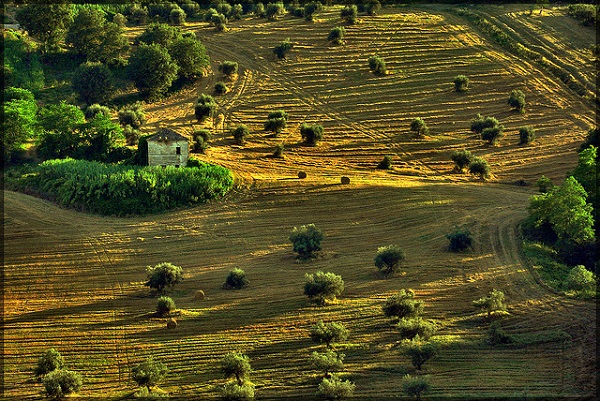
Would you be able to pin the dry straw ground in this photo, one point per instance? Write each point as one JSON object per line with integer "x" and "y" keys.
{"x": 75, "y": 282}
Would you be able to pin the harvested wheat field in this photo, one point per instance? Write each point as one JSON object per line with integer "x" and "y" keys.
{"x": 75, "y": 281}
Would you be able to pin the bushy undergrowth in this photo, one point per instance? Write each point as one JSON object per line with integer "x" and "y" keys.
{"x": 121, "y": 190}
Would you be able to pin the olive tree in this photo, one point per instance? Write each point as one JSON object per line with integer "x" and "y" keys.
{"x": 334, "y": 388}
{"x": 461, "y": 159}
{"x": 93, "y": 82}
{"x": 349, "y": 14}
{"x": 402, "y": 305}
{"x": 321, "y": 287}
{"x": 240, "y": 133}
{"x": 152, "y": 69}
{"x": 328, "y": 333}
{"x": 526, "y": 135}
{"x": 276, "y": 121}
{"x": 461, "y": 83}
{"x": 228, "y": 68}
{"x": 479, "y": 123}
{"x": 377, "y": 65}
{"x": 420, "y": 352}
{"x": 493, "y": 302}
{"x": 273, "y": 10}
{"x": 516, "y": 100}
{"x": 311, "y": 134}
{"x": 165, "y": 306}
{"x": 310, "y": 9}
{"x": 206, "y": 106}
{"x": 388, "y": 258}
{"x": 232, "y": 391}
{"x": 409, "y": 328}
{"x": 459, "y": 240}
{"x": 51, "y": 360}
{"x": 149, "y": 373}
{"x": 480, "y": 167}
{"x": 306, "y": 240}
{"x": 419, "y": 127}
{"x": 415, "y": 386}
{"x": 336, "y": 35}
{"x": 283, "y": 48}
{"x": 327, "y": 362}
{"x": 60, "y": 383}
{"x": 385, "y": 163}
{"x": 236, "y": 364}
{"x": 236, "y": 279}
{"x": 163, "y": 275}
{"x": 492, "y": 134}
{"x": 190, "y": 56}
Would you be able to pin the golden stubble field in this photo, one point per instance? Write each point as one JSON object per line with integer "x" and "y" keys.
{"x": 75, "y": 281}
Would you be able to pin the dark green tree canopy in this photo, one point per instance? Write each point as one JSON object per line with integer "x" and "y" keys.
{"x": 283, "y": 48}
{"x": 60, "y": 383}
{"x": 388, "y": 258}
{"x": 403, "y": 305}
{"x": 236, "y": 364}
{"x": 336, "y": 35}
{"x": 152, "y": 69}
{"x": 349, "y": 14}
{"x": 206, "y": 106}
{"x": 306, "y": 240}
{"x": 163, "y": 275}
{"x": 479, "y": 123}
{"x": 328, "y": 333}
{"x": 190, "y": 56}
{"x": 377, "y": 65}
{"x": 516, "y": 100}
{"x": 321, "y": 287}
{"x": 159, "y": 33}
{"x": 493, "y": 302}
{"x": 461, "y": 159}
{"x": 311, "y": 134}
{"x": 47, "y": 22}
{"x": 51, "y": 360}
{"x": 93, "y": 82}
{"x": 149, "y": 373}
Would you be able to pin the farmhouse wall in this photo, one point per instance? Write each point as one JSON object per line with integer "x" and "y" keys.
{"x": 165, "y": 153}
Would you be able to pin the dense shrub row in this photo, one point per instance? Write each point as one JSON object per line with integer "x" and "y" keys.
{"x": 123, "y": 190}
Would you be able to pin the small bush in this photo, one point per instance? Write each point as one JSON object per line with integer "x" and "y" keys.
{"x": 493, "y": 302}
{"x": 236, "y": 364}
{"x": 460, "y": 240}
{"x": 335, "y": 388}
{"x": 311, "y": 134}
{"x": 282, "y": 49}
{"x": 544, "y": 184}
{"x": 132, "y": 115}
{"x": 240, "y": 134}
{"x": 302, "y": 175}
{"x": 321, "y": 287}
{"x": 205, "y": 107}
{"x": 415, "y": 385}
{"x": 461, "y": 83}
{"x": 461, "y": 159}
{"x": 51, "y": 360}
{"x": 310, "y": 9}
{"x": 419, "y": 127}
{"x": 165, "y": 306}
{"x": 388, "y": 258}
{"x": 228, "y": 68}
{"x": 402, "y": 305}
{"x": 336, "y": 35}
{"x": 96, "y": 109}
{"x": 279, "y": 149}
{"x": 177, "y": 16}
{"x": 479, "y": 123}
{"x": 328, "y": 333}
{"x": 409, "y": 328}
{"x": 60, "y": 383}
{"x": 580, "y": 279}
{"x": 131, "y": 134}
{"x": 516, "y": 100}
{"x": 306, "y": 240}
{"x": 221, "y": 88}
{"x": 479, "y": 167}
{"x": 349, "y": 14}
{"x": 149, "y": 373}
{"x": 497, "y": 335}
{"x": 203, "y": 134}
{"x": 385, "y": 163}
{"x": 232, "y": 391}
{"x": 526, "y": 135}
{"x": 236, "y": 279}
{"x": 377, "y": 65}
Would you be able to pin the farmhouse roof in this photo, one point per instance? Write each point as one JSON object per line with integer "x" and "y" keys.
{"x": 166, "y": 135}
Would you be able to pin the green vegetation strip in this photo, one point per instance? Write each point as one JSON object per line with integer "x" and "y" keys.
{"x": 121, "y": 190}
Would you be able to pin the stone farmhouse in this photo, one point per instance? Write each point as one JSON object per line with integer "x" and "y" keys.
{"x": 167, "y": 148}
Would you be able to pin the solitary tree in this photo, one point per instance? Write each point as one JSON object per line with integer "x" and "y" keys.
{"x": 165, "y": 306}
{"x": 328, "y": 362}
{"x": 60, "y": 383}
{"x": 420, "y": 352}
{"x": 377, "y": 65}
{"x": 163, "y": 275}
{"x": 228, "y": 68}
{"x": 334, "y": 388}
{"x": 461, "y": 159}
{"x": 311, "y": 134}
{"x": 283, "y": 48}
{"x": 236, "y": 364}
{"x": 388, "y": 258}
{"x": 349, "y": 14}
{"x": 403, "y": 305}
{"x": 479, "y": 167}
{"x": 415, "y": 386}
{"x": 526, "y": 135}
{"x": 232, "y": 391}
{"x": 419, "y": 127}
{"x": 306, "y": 240}
{"x": 206, "y": 106}
{"x": 516, "y": 100}
{"x": 240, "y": 134}
{"x": 328, "y": 333}
{"x": 580, "y": 279}
{"x": 493, "y": 302}
{"x": 459, "y": 240}
{"x": 385, "y": 163}
{"x": 336, "y": 35}
{"x": 48, "y": 362}
{"x": 149, "y": 373}
{"x": 461, "y": 83}
{"x": 236, "y": 279}
{"x": 323, "y": 286}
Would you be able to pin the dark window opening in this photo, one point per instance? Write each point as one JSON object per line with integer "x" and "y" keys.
{"x": 178, "y": 150}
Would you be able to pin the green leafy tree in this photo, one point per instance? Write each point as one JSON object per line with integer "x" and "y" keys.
{"x": 276, "y": 121}
{"x": 492, "y": 134}
{"x": 152, "y": 70}
{"x": 236, "y": 279}
{"x": 279, "y": 150}
{"x": 12, "y": 93}
{"x": 306, "y": 240}
{"x": 586, "y": 174}
{"x": 93, "y": 110}
{"x": 388, "y": 258}
{"x": 177, "y": 16}
{"x": 236, "y": 12}
{"x": 591, "y": 139}
{"x": 414, "y": 386}
{"x": 200, "y": 140}
{"x": 50, "y": 361}
{"x": 206, "y": 106}
{"x": 459, "y": 240}
{"x": 461, "y": 83}
{"x": 310, "y": 9}
{"x": 526, "y": 135}
{"x": 385, "y": 163}
{"x": 328, "y": 333}
{"x": 221, "y": 88}
{"x": 336, "y": 35}
{"x": 311, "y": 134}
{"x": 228, "y": 68}
{"x": 60, "y": 383}
{"x": 516, "y": 100}
{"x": 98, "y": 137}
{"x": 132, "y": 115}
{"x": 402, "y": 305}
{"x": 93, "y": 82}
{"x": 259, "y": 10}
{"x": 47, "y": 22}
{"x": 240, "y": 134}
{"x": 349, "y": 14}
{"x": 377, "y": 65}
{"x": 283, "y": 48}
{"x": 160, "y": 34}
{"x": 420, "y": 352}
{"x": 479, "y": 123}
{"x": 544, "y": 184}
{"x": 409, "y": 328}
{"x": 190, "y": 56}
{"x": 419, "y": 127}
{"x": 22, "y": 65}
{"x": 461, "y": 159}
{"x": 327, "y": 362}
{"x": 372, "y": 7}
{"x": 220, "y": 21}
{"x": 493, "y": 302}
{"x": 149, "y": 373}
{"x": 234, "y": 392}
{"x": 120, "y": 20}
{"x": 236, "y": 364}
{"x": 19, "y": 125}
{"x": 480, "y": 167}
{"x": 334, "y": 388}
{"x": 273, "y": 10}
{"x": 163, "y": 275}
{"x": 165, "y": 305}
{"x": 321, "y": 287}
{"x": 580, "y": 279}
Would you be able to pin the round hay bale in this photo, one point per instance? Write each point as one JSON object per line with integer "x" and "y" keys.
{"x": 345, "y": 180}
{"x": 199, "y": 295}
{"x": 301, "y": 174}
{"x": 171, "y": 324}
